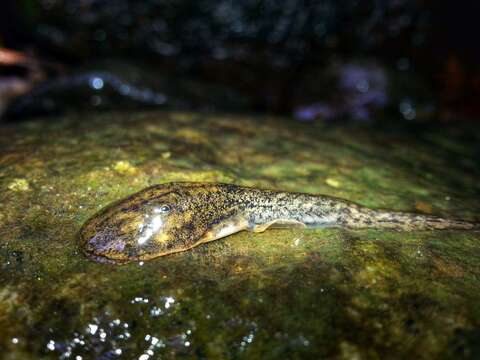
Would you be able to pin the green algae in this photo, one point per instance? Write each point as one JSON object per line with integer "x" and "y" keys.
{"x": 280, "y": 294}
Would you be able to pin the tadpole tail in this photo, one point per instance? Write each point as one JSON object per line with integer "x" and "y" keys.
{"x": 368, "y": 218}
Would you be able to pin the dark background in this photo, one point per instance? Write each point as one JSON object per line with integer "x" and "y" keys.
{"x": 406, "y": 60}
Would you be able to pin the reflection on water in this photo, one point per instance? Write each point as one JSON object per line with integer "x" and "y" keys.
{"x": 108, "y": 337}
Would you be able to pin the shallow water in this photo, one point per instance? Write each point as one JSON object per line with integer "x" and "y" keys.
{"x": 280, "y": 294}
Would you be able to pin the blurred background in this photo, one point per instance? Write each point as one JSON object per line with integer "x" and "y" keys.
{"x": 406, "y": 60}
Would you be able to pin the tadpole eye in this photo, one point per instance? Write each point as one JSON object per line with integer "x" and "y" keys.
{"x": 164, "y": 208}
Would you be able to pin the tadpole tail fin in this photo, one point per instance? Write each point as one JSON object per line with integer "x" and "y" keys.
{"x": 367, "y": 218}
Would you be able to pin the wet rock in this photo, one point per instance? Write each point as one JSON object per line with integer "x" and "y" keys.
{"x": 283, "y": 293}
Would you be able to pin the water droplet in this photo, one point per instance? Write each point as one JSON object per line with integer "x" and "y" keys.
{"x": 92, "y": 328}
{"x": 96, "y": 83}
{"x": 51, "y": 345}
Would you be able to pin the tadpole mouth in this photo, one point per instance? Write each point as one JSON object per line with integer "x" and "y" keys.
{"x": 92, "y": 247}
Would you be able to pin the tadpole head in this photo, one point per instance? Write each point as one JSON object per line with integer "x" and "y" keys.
{"x": 140, "y": 227}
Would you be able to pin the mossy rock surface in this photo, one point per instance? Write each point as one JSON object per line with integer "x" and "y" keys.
{"x": 282, "y": 294}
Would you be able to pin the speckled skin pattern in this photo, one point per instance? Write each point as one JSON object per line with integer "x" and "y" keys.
{"x": 173, "y": 217}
